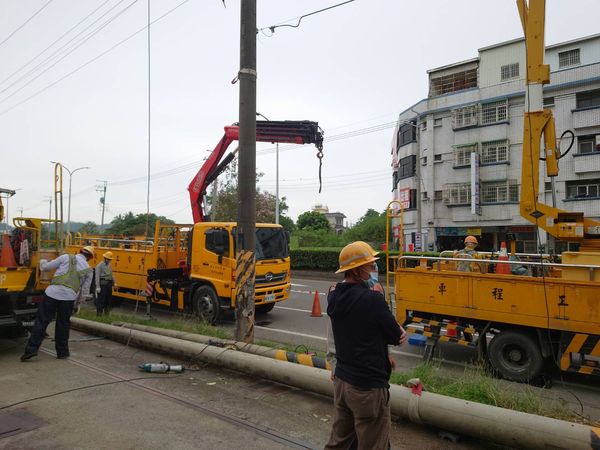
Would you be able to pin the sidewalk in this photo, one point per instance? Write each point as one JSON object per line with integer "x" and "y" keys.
{"x": 204, "y": 408}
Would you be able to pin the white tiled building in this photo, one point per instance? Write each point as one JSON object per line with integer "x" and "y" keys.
{"x": 477, "y": 106}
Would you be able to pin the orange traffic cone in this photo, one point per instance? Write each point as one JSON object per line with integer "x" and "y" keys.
{"x": 503, "y": 256}
{"x": 451, "y": 332}
{"x": 316, "y": 308}
{"x": 7, "y": 257}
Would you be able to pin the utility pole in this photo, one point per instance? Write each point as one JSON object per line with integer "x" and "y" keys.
{"x": 418, "y": 176}
{"x": 102, "y": 189}
{"x": 246, "y": 230}
{"x": 20, "y": 209}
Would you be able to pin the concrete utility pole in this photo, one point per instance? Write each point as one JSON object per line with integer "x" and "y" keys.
{"x": 246, "y": 229}
{"x": 102, "y": 189}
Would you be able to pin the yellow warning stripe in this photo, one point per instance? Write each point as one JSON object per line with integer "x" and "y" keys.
{"x": 449, "y": 326}
{"x": 596, "y": 350}
{"x": 573, "y": 347}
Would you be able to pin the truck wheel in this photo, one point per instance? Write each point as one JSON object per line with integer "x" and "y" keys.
{"x": 264, "y": 309}
{"x": 516, "y": 356}
{"x": 206, "y": 304}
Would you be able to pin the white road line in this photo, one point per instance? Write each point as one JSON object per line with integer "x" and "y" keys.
{"x": 293, "y": 332}
{"x": 294, "y": 309}
{"x": 296, "y": 284}
{"x": 301, "y": 292}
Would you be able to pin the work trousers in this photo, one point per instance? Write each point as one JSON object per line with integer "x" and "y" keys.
{"x": 47, "y": 309}
{"x": 104, "y": 298}
{"x": 360, "y": 416}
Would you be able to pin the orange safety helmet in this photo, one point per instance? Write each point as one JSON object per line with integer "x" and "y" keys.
{"x": 471, "y": 240}
{"x": 356, "y": 254}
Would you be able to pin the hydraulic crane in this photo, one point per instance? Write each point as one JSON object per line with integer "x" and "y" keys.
{"x": 292, "y": 132}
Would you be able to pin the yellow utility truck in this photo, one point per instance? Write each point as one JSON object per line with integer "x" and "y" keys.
{"x": 533, "y": 321}
{"x": 22, "y": 284}
{"x": 192, "y": 267}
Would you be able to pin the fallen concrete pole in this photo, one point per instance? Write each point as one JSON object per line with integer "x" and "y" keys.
{"x": 282, "y": 355}
{"x": 489, "y": 423}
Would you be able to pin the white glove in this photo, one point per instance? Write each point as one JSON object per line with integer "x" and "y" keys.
{"x": 97, "y": 291}
{"x": 43, "y": 261}
{"x": 77, "y": 307}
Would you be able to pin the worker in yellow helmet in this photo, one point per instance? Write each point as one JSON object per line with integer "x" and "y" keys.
{"x": 363, "y": 327}
{"x": 469, "y": 252}
{"x": 69, "y": 286}
{"x": 105, "y": 281}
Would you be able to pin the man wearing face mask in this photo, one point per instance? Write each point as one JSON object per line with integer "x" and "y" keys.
{"x": 363, "y": 327}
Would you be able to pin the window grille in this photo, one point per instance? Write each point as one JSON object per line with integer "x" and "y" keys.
{"x": 464, "y": 117}
{"x": 457, "y": 194}
{"x": 494, "y": 112}
{"x": 569, "y": 58}
{"x": 453, "y": 82}
{"x": 494, "y": 152}
{"x": 588, "y": 144}
{"x": 438, "y": 195}
{"x": 588, "y": 99}
{"x": 462, "y": 154}
{"x": 509, "y": 71}
{"x": 499, "y": 191}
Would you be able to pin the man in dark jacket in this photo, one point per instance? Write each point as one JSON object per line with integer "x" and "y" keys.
{"x": 363, "y": 327}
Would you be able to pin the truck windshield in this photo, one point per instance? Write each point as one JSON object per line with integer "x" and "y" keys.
{"x": 271, "y": 243}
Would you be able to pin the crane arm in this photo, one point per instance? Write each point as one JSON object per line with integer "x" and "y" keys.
{"x": 538, "y": 124}
{"x": 292, "y": 132}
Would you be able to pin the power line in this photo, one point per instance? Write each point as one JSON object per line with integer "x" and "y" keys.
{"x": 25, "y": 23}
{"x": 91, "y": 60}
{"x": 69, "y": 51}
{"x": 54, "y": 42}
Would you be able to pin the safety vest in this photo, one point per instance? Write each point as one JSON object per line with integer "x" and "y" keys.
{"x": 73, "y": 278}
{"x": 106, "y": 274}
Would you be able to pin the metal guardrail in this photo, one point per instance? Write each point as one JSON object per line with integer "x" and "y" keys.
{"x": 495, "y": 261}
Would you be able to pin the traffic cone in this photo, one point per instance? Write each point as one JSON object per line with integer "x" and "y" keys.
{"x": 7, "y": 257}
{"x": 503, "y": 256}
{"x": 451, "y": 332}
{"x": 316, "y": 308}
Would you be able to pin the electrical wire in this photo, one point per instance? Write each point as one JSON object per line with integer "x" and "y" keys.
{"x": 70, "y": 51}
{"x": 54, "y": 42}
{"x": 273, "y": 27}
{"x": 77, "y": 69}
{"x": 25, "y": 23}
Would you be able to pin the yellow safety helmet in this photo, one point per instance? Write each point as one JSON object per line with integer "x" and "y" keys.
{"x": 107, "y": 255}
{"x": 89, "y": 250}
{"x": 471, "y": 240}
{"x": 355, "y": 255}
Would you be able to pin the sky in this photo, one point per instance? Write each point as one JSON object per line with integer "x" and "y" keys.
{"x": 70, "y": 92}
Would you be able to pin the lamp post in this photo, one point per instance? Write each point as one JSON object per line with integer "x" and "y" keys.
{"x": 276, "y": 175}
{"x": 71, "y": 172}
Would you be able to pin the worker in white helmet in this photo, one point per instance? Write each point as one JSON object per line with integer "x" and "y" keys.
{"x": 70, "y": 285}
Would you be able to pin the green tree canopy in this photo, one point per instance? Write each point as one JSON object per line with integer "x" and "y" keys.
{"x": 287, "y": 223}
{"x": 89, "y": 228}
{"x": 370, "y": 228}
{"x": 225, "y": 205}
{"x": 135, "y": 225}
{"x": 312, "y": 220}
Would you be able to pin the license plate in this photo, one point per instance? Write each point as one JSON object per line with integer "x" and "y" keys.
{"x": 270, "y": 298}
{"x": 28, "y": 324}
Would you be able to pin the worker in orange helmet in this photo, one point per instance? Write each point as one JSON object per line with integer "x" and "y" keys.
{"x": 469, "y": 252}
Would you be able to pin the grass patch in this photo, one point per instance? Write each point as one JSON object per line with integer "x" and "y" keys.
{"x": 476, "y": 386}
{"x": 186, "y": 326}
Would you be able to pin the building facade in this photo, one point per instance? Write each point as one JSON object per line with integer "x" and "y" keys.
{"x": 456, "y": 155}
{"x": 335, "y": 219}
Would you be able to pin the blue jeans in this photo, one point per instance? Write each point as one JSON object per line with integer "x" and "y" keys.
{"x": 47, "y": 309}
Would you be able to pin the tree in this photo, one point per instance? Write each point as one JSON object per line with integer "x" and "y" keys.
{"x": 135, "y": 225}
{"x": 312, "y": 220}
{"x": 287, "y": 224}
{"x": 226, "y": 204}
{"x": 369, "y": 228}
{"x": 89, "y": 228}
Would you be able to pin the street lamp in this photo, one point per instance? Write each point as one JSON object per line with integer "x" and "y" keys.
{"x": 71, "y": 172}
{"x": 276, "y": 175}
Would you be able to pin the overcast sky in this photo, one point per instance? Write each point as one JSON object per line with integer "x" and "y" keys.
{"x": 352, "y": 69}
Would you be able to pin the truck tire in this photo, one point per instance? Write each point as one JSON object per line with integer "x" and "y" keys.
{"x": 206, "y": 305}
{"x": 265, "y": 308}
{"x": 516, "y": 356}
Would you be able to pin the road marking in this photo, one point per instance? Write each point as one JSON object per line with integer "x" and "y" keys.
{"x": 297, "y": 284}
{"x": 292, "y": 332}
{"x": 294, "y": 309}
{"x": 301, "y": 292}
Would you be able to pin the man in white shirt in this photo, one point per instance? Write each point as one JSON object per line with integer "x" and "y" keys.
{"x": 71, "y": 282}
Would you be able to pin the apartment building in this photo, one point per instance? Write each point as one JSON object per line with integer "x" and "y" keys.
{"x": 456, "y": 155}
